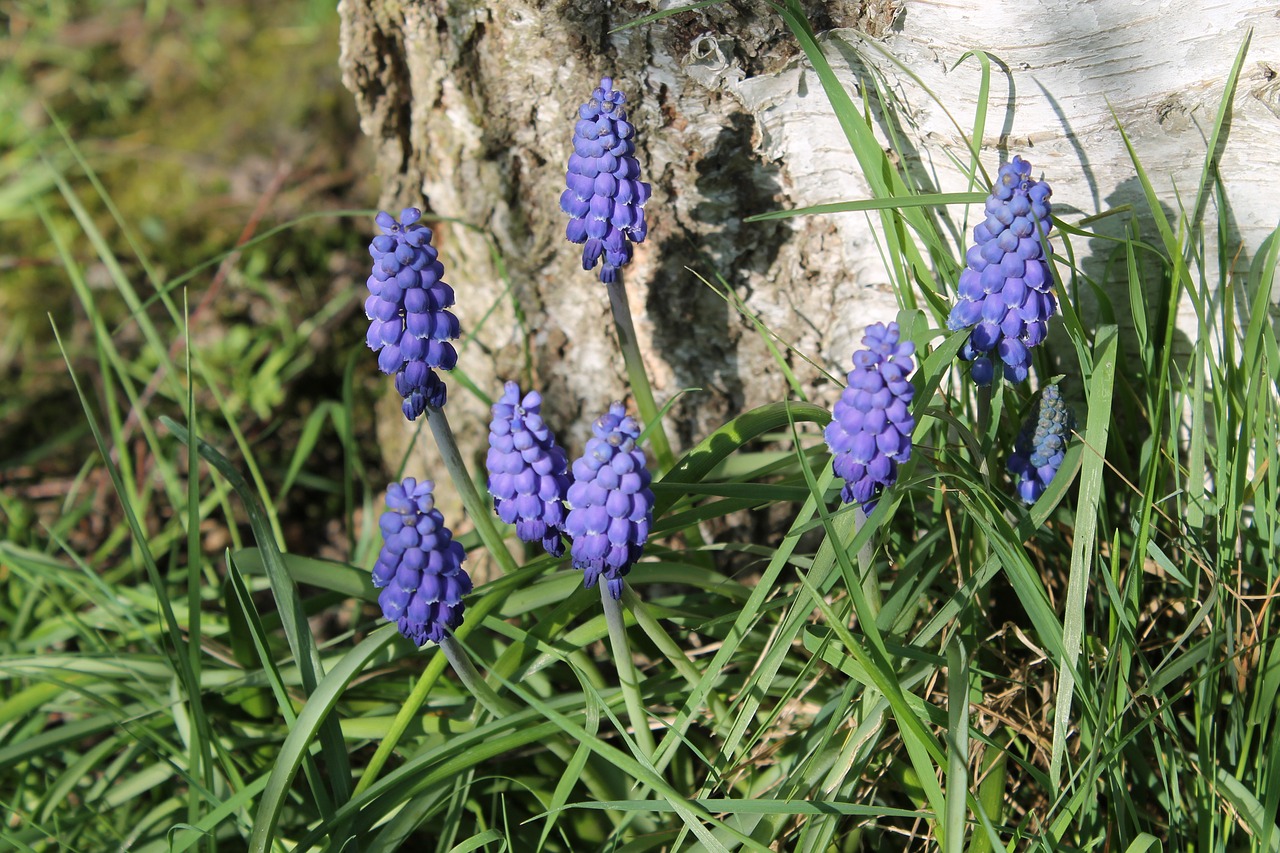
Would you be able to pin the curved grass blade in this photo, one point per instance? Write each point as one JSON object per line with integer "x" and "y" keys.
{"x": 314, "y": 715}
{"x": 341, "y": 578}
{"x": 862, "y": 205}
{"x": 665, "y": 13}
{"x": 180, "y": 655}
{"x": 701, "y": 459}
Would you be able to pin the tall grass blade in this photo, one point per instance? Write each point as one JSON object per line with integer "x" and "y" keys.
{"x": 1097, "y": 429}
{"x": 957, "y": 746}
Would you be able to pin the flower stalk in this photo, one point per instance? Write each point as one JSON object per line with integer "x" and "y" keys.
{"x": 476, "y": 508}
{"x": 1041, "y": 445}
{"x": 637, "y": 375}
{"x": 628, "y": 678}
{"x": 471, "y": 679}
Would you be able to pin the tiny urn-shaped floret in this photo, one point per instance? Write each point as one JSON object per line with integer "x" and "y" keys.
{"x": 611, "y": 504}
{"x": 1041, "y": 444}
{"x": 528, "y": 471}
{"x": 1006, "y": 290}
{"x": 871, "y": 423}
{"x": 419, "y": 568}
{"x": 604, "y": 197}
{"x": 409, "y": 327}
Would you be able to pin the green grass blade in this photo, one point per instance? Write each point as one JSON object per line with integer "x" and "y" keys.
{"x": 665, "y": 13}
{"x": 341, "y": 578}
{"x": 895, "y": 203}
{"x": 700, "y": 460}
{"x": 1097, "y": 429}
{"x": 1250, "y": 811}
{"x": 1143, "y": 843}
{"x": 180, "y": 655}
{"x": 957, "y": 746}
{"x": 289, "y": 604}
{"x": 319, "y": 705}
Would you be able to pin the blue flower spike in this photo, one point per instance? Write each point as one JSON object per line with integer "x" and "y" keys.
{"x": 409, "y": 326}
{"x": 419, "y": 568}
{"x": 611, "y": 503}
{"x": 528, "y": 471}
{"x": 1006, "y": 290}
{"x": 1041, "y": 444}
{"x": 605, "y": 197}
{"x": 871, "y": 423}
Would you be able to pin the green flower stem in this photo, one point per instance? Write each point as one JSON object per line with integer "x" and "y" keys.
{"x": 628, "y": 680}
{"x": 637, "y": 376}
{"x": 984, "y": 423}
{"x": 453, "y": 654}
{"x": 412, "y": 705}
{"x": 870, "y": 582}
{"x": 983, "y": 430}
{"x": 471, "y": 679}
{"x": 639, "y": 380}
{"x": 480, "y": 515}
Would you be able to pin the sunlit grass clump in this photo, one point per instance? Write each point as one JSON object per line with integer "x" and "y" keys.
{"x": 1028, "y": 611}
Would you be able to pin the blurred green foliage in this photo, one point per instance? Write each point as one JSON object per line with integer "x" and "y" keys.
{"x": 206, "y": 123}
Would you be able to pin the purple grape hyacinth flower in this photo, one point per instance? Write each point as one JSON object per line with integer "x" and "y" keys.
{"x": 419, "y": 568}
{"x": 1006, "y": 290}
{"x": 605, "y": 197}
{"x": 871, "y": 424}
{"x": 1041, "y": 444}
{"x": 528, "y": 471}
{"x": 611, "y": 504}
{"x": 409, "y": 327}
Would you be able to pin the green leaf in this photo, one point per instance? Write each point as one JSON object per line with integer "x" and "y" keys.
{"x": 1144, "y": 842}
{"x": 760, "y": 806}
{"x": 484, "y": 839}
{"x": 862, "y": 205}
{"x": 697, "y": 463}
{"x": 314, "y": 715}
{"x": 1097, "y": 429}
{"x": 341, "y": 578}
{"x": 1246, "y": 805}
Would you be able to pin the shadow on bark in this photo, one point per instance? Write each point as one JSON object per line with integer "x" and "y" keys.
{"x": 694, "y": 329}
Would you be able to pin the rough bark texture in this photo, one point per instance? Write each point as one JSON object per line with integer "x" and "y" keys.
{"x": 471, "y": 107}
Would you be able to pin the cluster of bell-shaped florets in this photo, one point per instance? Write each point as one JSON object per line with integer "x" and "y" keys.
{"x": 408, "y": 324}
{"x": 419, "y": 568}
{"x": 1006, "y": 290}
{"x": 611, "y": 503}
{"x": 871, "y": 423}
{"x": 605, "y": 196}
{"x": 1041, "y": 444}
{"x": 528, "y": 471}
